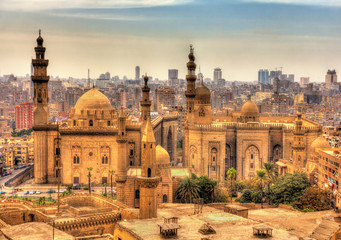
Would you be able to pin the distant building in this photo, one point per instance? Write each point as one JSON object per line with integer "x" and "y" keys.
{"x": 263, "y": 76}
{"x": 173, "y": 77}
{"x": 24, "y": 116}
{"x": 165, "y": 97}
{"x": 304, "y": 81}
{"x": 137, "y": 73}
{"x": 217, "y": 74}
{"x": 274, "y": 74}
{"x": 331, "y": 78}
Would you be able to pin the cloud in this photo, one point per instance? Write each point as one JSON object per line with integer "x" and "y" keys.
{"x": 331, "y": 3}
{"x": 37, "y": 5}
{"x": 99, "y": 16}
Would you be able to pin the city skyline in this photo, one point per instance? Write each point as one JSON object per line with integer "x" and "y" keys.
{"x": 240, "y": 37}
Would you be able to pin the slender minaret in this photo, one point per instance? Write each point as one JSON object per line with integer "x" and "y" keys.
{"x": 121, "y": 175}
{"x": 145, "y": 103}
{"x": 88, "y": 80}
{"x": 40, "y": 112}
{"x": 299, "y": 146}
{"x": 149, "y": 179}
{"x": 190, "y": 92}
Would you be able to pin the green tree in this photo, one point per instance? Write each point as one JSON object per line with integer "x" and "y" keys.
{"x": 188, "y": 189}
{"x": 288, "y": 188}
{"x": 89, "y": 176}
{"x": 270, "y": 172}
{"x": 207, "y": 186}
{"x": 231, "y": 175}
{"x": 105, "y": 188}
{"x": 260, "y": 181}
{"x": 315, "y": 199}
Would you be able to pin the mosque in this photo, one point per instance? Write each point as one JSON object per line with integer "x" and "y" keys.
{"x": 97, "y": 140}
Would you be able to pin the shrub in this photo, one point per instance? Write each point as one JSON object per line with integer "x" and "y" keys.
{"x": 313, "y": 199}
{"x": 86, "y": 188}
{"x": 246, "y": 196}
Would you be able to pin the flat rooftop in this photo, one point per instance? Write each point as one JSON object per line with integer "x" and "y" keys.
{"x": 227, "y": 226}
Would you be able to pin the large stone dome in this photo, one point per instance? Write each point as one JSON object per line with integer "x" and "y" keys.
{"x": 162, "y": 156}
{"x": 249, "y": 109}
{"x": 320, "y": 142}
{"x": 203, "y": 94}
{"x": 92, "y": 100}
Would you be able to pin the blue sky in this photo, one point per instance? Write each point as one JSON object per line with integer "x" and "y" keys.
{"x": 239, "y": 36}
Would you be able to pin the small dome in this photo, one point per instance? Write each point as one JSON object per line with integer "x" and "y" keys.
{"x": 92, "y": 100}
{"x": 203, "y": 94}
{"x": 249, "y": 109}
{"x": 162, "y": 156}
{"x": 320, "y": 142}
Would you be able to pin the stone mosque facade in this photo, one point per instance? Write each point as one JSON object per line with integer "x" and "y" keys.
{"x": 243, "y": 140}
{"x": 96, "y": 136}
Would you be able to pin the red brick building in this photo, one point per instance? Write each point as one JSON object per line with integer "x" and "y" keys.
{"x": 24, "y": 116}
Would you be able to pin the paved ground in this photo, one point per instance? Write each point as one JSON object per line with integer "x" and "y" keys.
{"x": 297, "y": 223}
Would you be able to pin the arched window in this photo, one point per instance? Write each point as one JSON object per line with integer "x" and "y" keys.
{"x": 149, "y": 172}
{"x": 76, "y": 159}
{"x": 202, "y": 113}
{"x": 164, "y": 198}
{"x": 105, "y": 159}
{"x": 137, "y": 194}
{"x": 108, "y": 123}
{"x": 214, "y": 154}
{"x": 91, "y": 123}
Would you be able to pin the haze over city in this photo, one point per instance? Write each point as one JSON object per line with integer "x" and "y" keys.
{"x": 238, "y": 36}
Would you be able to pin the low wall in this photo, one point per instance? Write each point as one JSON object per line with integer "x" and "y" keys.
{"x": 25, "y": 175}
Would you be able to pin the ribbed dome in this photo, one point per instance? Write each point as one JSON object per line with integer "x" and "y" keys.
{"x": 319, "y": 142}
{"x": 162, "y": 156}
{"x": 92, "y": 100}
{"x": 203, "y": 94}
{"x": 249, "y": 109}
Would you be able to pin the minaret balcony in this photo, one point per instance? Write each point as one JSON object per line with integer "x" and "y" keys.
{"x": 40, "y": 78}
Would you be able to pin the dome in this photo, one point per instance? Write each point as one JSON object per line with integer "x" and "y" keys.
{"x": 203, "y": 94}
{"x": 249, "y": 109}
{"x": 319, "y": 142}
{"x": 162, "y": 156}
{"x": 93, "y": 100}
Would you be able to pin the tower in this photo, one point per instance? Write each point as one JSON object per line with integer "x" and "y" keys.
{"x": 137, "y": 73}
{"x": 145, "y": 103}
{"x": 88, "y": 80}
{"x": 190, "y": 92}
{"x": 121, "y": 175}
{"x": 40, "y": 112}
{"x": 299, "y": 146}
{"x": 149, "y": 179}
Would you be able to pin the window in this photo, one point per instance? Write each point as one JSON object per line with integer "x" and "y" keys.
{"x": 104, "y": 180}
{"x": 91, "y": 123}
{"x": 144, "y": 145}
{"x": 108, "y": 123}
{"x": 131, "y": 163}
{"x": 76, "y": 159}
{"x": 213, "y": 159}
{"x": 137, "y": 194}
{"x": 57, "y": 151}
{"x": 105, "y": 159}
{"x": 251, "y": 156}
{"x": 131, "y": 153}
{"x": 251, "y": 165}
{"x": 149, "y": 172}
{"x": 151, "y": 145}
{"x": 74, "y": 123}
{"x": 213, "y": 168}
{"x": 76, "y": 180}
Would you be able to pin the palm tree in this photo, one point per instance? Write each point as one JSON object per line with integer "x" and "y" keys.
{"x": 260, "y": 180}
{"x": 188, "y": 189}
{"x": 270, "y": 172}
{"x": 89, "y": 176}
{"x": 105, "y": 188}
{"x": 231, "y": 174}
{"x": 111, "y": 174}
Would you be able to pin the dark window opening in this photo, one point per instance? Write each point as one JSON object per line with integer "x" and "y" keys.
{"x": 104, "y": 180}
{"x": 74, "y": 122}
{"x": 76, "y": 159}
{"x": 149, "y": 172}
{"x": 164, "y": 198}
{"x": 151, "y": 145}
{"x": 137, "y": 194}
{"x": 131, "y": 152}
{"x": 108, "y": 123}
{"x": 251, "y": 156}
{"x": 57, "y": 151}
{"x": 91, "y": 123}
{"x": 131, "y": 163}
{"x": 251, "y": 165}
{"x": 76, "y": 180}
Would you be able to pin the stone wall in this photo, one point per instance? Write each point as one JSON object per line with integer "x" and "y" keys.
{"x": 27, "y": 174}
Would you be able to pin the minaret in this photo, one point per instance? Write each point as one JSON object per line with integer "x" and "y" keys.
{"x": 88, "y": 80}
{"x": 190, "y": 92}
{"x": 145, "y": 103}
{"x": 121, "y": 175}
{"x": 149, "y": 179}
{"x": 299, "y": 146}
{"x": 40, "y": 80}
{"x": 40, "y": 113}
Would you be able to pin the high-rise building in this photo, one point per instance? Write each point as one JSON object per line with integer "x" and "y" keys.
{"x": 217, "y": 74}
{"x": 173, "y": 77}
{"x": 24, "y": 116}
{"x": 165, "y": 97}
{"x": 137, "y": 73}
{"x": 263, "y": 76}
{"x": 331, "y": 78}
{"x": 304, "y": 81}
{"x": 274, "y": 74}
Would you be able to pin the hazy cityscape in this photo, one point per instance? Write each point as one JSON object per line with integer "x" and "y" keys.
{"x": 172, "y": 119}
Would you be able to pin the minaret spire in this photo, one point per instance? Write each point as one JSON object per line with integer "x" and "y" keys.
{"x": 191, "y": 78}
{"x": 145, "y": 103}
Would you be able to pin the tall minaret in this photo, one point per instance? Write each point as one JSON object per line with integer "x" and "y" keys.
{"x": 121, "y": 175}
{"x": 40, "y": 112}
{"x": 149, "y": 179}
{"x": 145, "y": 103}
{"x": 40, "y": 80}
{"x": 190, "y": 92}
{"x": 299, "y": 146}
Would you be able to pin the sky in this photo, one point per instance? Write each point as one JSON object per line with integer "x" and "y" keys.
{"x": 239, "y": 36}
